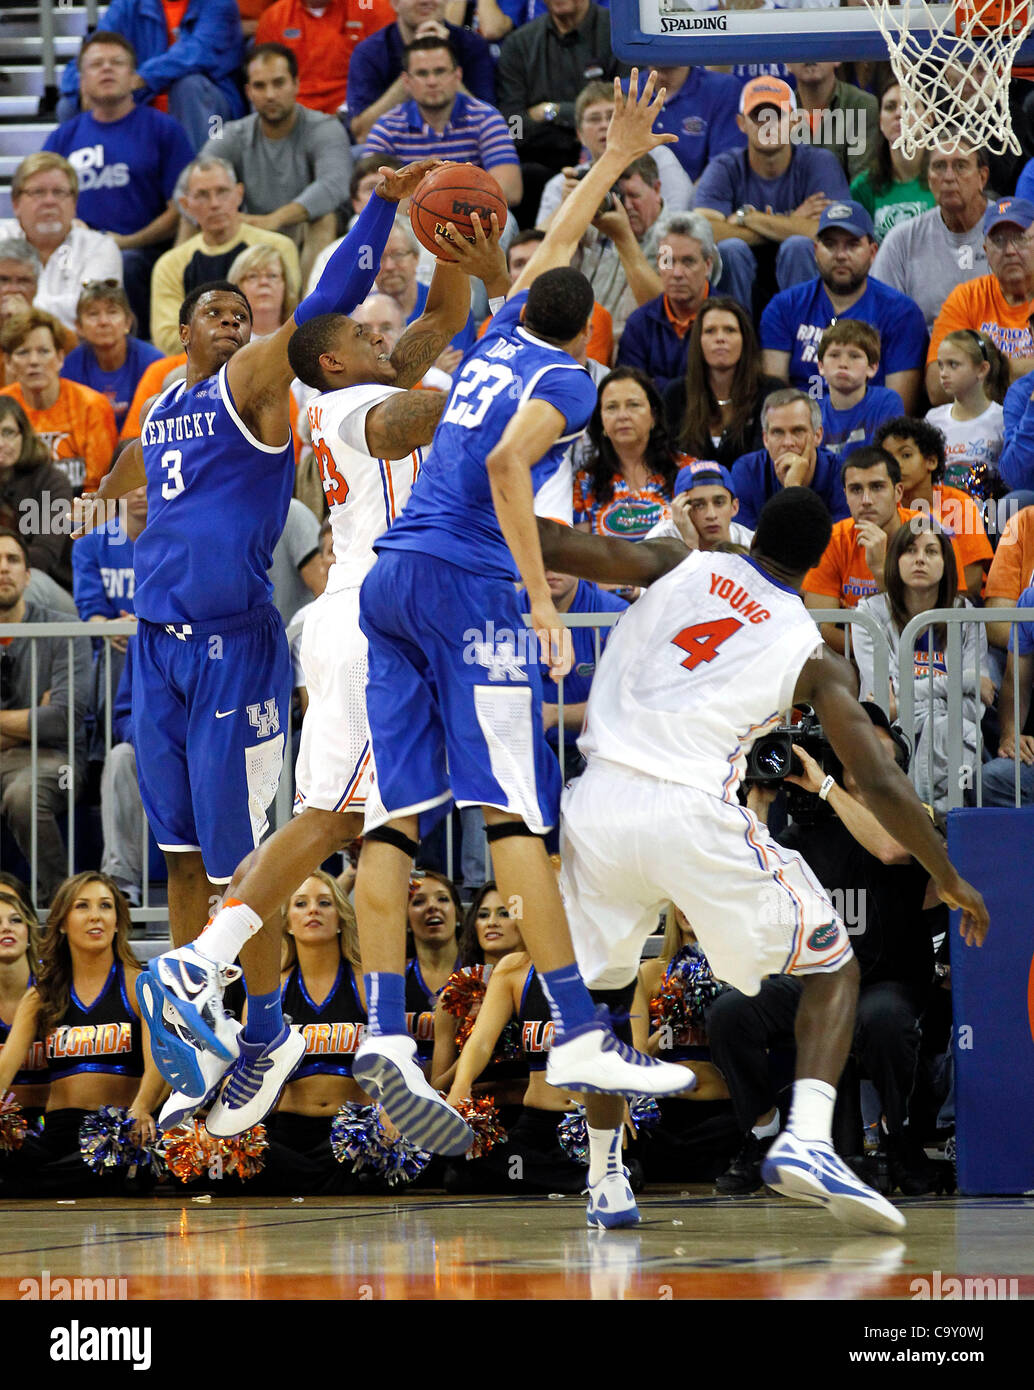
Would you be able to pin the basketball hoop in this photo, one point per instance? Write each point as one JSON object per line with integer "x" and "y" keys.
{"x": 955, "y": 80}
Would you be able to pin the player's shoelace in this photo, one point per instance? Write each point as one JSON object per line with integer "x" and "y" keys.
{"x": 245, "y": 1082}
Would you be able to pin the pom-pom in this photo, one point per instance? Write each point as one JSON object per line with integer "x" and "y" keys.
{"x": 191, "y": 1152}
{"x": 573, "y": 1135}
{"x": 106, "y": 1143}
{"x": 14, "y": 1129}
{"x": 683, "y": 999}
{"x": 244, "y": 1155}
{"x": 462, "y": 996}
{"x": 645, "y": 1113}
{"x": 483, "y": 1118}
{"x": 357, "y": 1136}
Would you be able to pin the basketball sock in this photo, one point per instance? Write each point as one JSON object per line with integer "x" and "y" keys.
{"x": 231, "y": 928}
{"x": 811, "y": 1113}
{"x": 569, "y": 1003}
{"x": 265, "y": 1018}
{"x": 604, "y": 1152}
{"x": 768, "y": 1131}
{"x": 385, "y": 1003}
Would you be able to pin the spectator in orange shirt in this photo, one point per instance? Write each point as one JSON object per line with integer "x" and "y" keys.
{"x": 1012, "y": 571}
{"x": 518, "y": 254}
{"x": 76, "y": 424}
{"x": 852, "y": 565}
{"x": 154, "y": 380}
{"x": 322, "y": 35}
{"x": 919, "y": 448}
{"x": 999, "y": 304}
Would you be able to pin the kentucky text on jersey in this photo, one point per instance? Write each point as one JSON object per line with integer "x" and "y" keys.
{"x": 738, "y": 598}
{"x": 323, "y": 1039}
{"x": 90, "y": 1040}
{"x": 197, "y": 425}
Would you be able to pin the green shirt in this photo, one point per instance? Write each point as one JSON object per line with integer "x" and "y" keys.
{"x": 895, "y": 204}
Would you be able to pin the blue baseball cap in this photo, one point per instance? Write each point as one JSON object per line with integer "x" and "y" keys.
{"x": 852, "y": 217}
{"x": 1015, "y": 210}
{"x": 700, "y": 472}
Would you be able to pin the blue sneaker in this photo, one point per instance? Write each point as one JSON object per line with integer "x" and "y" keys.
{"x": 813, "y": 1173}
{"x": 611, "y": 1203}
{"x": 183, "y": 1064}
{"x": 192, "y": 987}
{"x": 179, "y": 1108}
{"x": 592, "y": 1059}
{"x": 253, "y": 1087}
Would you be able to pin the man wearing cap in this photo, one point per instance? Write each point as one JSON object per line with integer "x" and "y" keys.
{"x": 796, "y": 318}
{"x": 704, "y": 503}
{"x": 999, "y": 304}
{"x": 791, "y": 427}
{"x": 656, "y": 335}
{"x": 770, "y": 194}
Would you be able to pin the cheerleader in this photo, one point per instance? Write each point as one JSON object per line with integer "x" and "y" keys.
{"x": 432, "y": 951}
{"x": 19, "y": 966}
{"x": 489, "y": 933}
{"x": 83, "y": 1009}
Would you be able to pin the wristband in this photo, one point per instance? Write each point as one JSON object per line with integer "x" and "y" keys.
{"x": 497, "y": 303}
{"x": 826, "y": 788}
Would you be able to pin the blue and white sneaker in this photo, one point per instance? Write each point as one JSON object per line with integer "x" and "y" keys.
{"x": 180, "y": 1108}
{"x": 611, "y": 1203}
{"x": 253, "y": 1087}
{"x": 190, "y": 986}
{"x": 592, "y": 1059}
{"x": 173, "y": 1046}
{"x": 385, "y": 1067}
{"x": 813, "y": 1173}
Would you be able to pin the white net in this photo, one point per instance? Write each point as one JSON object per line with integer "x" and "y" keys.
{"x": 954, "y": 68}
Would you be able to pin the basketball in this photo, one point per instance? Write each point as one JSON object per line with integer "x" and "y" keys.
{"x": 451, "y": 194}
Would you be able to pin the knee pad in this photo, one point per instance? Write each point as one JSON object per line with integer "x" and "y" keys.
{"x": 387, "y": 836}
{"x": 619, "y": 1004}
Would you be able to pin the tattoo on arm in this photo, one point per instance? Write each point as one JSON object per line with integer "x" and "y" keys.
{"x": 404, "y": 422}
{"x": 417, "y": 349}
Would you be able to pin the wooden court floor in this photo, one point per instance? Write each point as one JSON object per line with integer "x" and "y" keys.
{"x": 690, "y": 1245}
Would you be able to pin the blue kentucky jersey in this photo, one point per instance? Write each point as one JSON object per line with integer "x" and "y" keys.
{"x": 217, "y": 501}
{"x": 450, "y": 512}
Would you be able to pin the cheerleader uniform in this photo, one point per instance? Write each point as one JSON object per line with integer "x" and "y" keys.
{"x": 420, "y": 1007}
{"x": 33, "y": 1071}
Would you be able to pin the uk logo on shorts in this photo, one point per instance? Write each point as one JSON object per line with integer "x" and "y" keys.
{"x": 265, "y": 719}
{"x": 824, "y": 937}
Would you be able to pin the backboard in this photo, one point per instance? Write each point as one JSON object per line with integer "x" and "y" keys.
{"x": 676, "y": 32}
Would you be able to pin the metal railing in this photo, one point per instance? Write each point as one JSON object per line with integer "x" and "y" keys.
{"x": 281, "y": 810}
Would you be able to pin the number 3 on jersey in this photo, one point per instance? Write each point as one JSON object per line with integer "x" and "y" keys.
{"x": 702, "y": 641}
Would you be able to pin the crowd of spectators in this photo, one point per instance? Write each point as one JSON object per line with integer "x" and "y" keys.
{"x": 770, "y": 311}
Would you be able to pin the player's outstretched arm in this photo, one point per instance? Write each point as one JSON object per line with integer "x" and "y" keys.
{"x": 448, "y": 298}
{"x": 606, "y": 560}
{"x": 260, "y": 374}
{"x": 827, "y": 683}
{"x": 629, "y": 135}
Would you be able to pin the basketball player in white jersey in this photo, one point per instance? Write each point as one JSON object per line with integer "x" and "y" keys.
{"x": 695, "y": 671}
{"x": 368, "y": 425}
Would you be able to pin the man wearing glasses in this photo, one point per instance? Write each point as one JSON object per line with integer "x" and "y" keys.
{"x": 43, "y": 195}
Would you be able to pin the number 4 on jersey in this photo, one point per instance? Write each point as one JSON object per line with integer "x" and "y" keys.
{"x": 702, "y": 641}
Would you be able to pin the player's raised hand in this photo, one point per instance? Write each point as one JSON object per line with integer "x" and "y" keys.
{"x": 90, "y": 511}
{"x": 631, "y": 131}
{"x": 483, "y": 258}
{"x": 396, "y": 184}
{"x": 975, "y": 917}
{"x": 554, "y": 639}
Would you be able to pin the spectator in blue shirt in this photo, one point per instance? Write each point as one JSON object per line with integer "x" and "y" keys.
{"x": 1016, "y": 461}
{"x": 796, "y": 318}
{"x": 108, "y": 359}
{"x": 656, "y": 335}
{"x": 128, "y": 158}
{"x": 791, "y": 426}
{"x": 375, "y": 83}
{"x": 770, "y": 194}
{"x": 441, "y": 122}
{"x": 702, "y": 108}
{"x": 852, "y": 408}
{"x": 196, "y": 72}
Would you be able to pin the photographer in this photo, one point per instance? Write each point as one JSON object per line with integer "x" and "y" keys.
{"x": 880, "y": 891}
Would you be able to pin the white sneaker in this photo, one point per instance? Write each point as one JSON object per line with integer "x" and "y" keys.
{"x": 611, "y": 1202}
{"x": 255, "y": 1081}
{"x": 386, "y": 1069}
{"x": 173, "y": 1046}
{"x": 814, "y": 1173}
{"x": 192, "y": 986}
{"x": 595, "y": 1060}
{"x": 179, "y": 1107}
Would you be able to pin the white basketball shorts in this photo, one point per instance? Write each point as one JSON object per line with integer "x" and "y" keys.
{"x": 631, "y": 843}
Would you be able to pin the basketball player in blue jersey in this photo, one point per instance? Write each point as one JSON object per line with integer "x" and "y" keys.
{"x": 213, "y": 675}
{"x": 454, "y": 707}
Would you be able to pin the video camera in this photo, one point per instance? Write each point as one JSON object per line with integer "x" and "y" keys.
{"x": 772, "y": 759}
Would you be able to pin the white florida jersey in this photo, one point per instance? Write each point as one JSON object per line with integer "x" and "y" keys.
{"x": 699, "y": 666}
{"x": 364, "y": 494}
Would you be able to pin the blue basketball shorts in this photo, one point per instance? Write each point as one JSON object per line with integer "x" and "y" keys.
{"x": 453, "y": 695}
{"x": 210, "y": 709}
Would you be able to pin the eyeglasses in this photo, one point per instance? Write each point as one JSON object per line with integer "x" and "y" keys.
{"x": 1004, "y": 237}
{"x": 37, "y": 193}
{"x": 10, "y": 432}
{"x": 109, "y": 284}
{"x": 272, "y": 274}
{"x": 27, "y": 280}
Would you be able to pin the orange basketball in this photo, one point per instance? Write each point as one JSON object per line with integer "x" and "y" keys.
{"x": 451, "y": 194}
